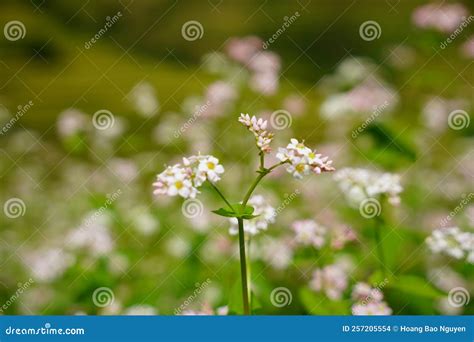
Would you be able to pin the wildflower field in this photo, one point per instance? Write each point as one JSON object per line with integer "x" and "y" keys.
{"x": 221, "y": 158}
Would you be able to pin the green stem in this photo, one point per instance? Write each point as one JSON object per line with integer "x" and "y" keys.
{"x": 262, "y": 173}
{"x": 221, "y": 195}
{"x": 378, "y": 241}
{"x": 243, "y": 267}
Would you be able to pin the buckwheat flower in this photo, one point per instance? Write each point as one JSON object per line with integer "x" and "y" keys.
{"x": 143, "y": 98}
{"x": 302, "y": 160}
{"x": 363, "y": 292}
{"x": 276, "y": 252}
{"x": 309, "y": 233}
{"x": 258, "y": 127}
{"x": 332, "y": 280}
{"x": 72, "y": 122}
{"x": 444, "y": 18}
{"x": 358, "y": 184}
{"x": 371, "y": 309}
{"x": 468, "y": 48}
{"x": 210, "y": 166}
{"x": 185, "y": 179}
{"x": 174, "y": 181}
{"x": 266, "y": 216}
{"x": 453, "y": 242}
{"x": 341, "y": 236}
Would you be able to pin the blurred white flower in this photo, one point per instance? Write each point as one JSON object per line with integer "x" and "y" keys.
{"x": 371, "y": 309}
{"x": 49, "y": 264}
{"x": 467, "y": 48}
{"x": 453, "y": 242}
{"x": 141, "y": 310}
{"x": 302, "y": 160}
{"x": 93, "y": 234}
{"x": 441, "y": 17}
{"x": 331, "y": 279}
{"x": 364, "y": 292}
{"x": 309, "y": 233}
{"x": 243, "y": 49}
{"x": 219, "y": 96}
{"x": 143, "y": 98}
{"x": 278, "y": 253}
{"x": 265, "y": 212}
{"x": 360, "y": 184}
{"x": 72, "y": 122}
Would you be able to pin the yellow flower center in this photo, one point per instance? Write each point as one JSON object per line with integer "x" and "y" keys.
{"x": 211, "y": 166}
{"x": 178, "y": 185}
{"x": 300, "y": 167}
{"x": 311, "y": 155}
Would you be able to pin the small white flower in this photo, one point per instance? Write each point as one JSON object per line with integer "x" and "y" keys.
{"x": 309, "y": 233}
{"x": 211, "y": 167}
{"x": 302, "y": 160}
{"x": 184, "y": 180}
{"x": 360, "y": 184}
{"x": 453, "y": 242}
{"x": 258, "y": 127}
{"x": 332, "y": 280}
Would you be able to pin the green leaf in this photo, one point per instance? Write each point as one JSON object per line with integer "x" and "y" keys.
{"x": 224, "y": 212}
{"x": 238, "y": 212}
{"x": 417, "y": 286}
{"x": 235, "y": 299}
{"x": 319, "y": 304}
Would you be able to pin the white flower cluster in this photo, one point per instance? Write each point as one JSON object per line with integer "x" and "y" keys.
{"x": 259, "y": 129}
{"x": 453, "y": 242}
{"x": 359, "y": 184}
{"x": 309, "y": 233}
{"x": 185, "y": 179}
{"x": 332, "y": 280}
{"x": 266, "y": 216}
{"x": 302, "y": 160}
{"x": 369, "y": 301}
